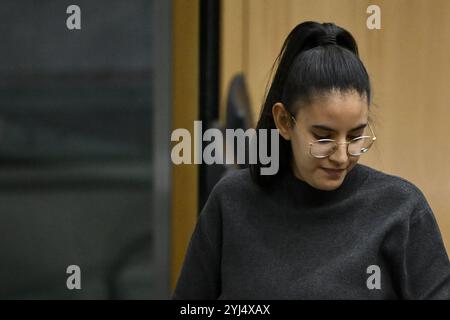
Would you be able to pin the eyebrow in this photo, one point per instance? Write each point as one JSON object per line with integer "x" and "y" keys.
{"x": 319, "y": 126}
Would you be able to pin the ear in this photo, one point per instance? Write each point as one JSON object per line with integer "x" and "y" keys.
{"x": 282, "y": 119}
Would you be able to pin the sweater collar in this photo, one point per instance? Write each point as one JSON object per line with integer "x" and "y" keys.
{"x": 304, "y": 193}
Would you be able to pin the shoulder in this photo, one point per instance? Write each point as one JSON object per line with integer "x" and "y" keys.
{"x": 393, "y": 189}
{"x": 399, "y": 185}
{"x": 235, "y": 181}
{"x": 232, "y": 193}
{"x": 237, "y": 188}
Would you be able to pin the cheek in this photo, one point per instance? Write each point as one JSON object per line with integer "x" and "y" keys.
{"x": 302, "y": 157}
{"x": 298, "y": 150}
{"x": 353, "y": 161}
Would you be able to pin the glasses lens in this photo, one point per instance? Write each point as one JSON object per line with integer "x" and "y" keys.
{"x": 359, "y": 146}
{"x": 322, "y": 148}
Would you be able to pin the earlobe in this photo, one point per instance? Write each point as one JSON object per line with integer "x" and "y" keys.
{"x": 284, "y": 134}
{"x": 282, "y": 120}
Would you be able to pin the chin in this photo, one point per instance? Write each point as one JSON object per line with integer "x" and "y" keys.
{"x": 330, "y": 185}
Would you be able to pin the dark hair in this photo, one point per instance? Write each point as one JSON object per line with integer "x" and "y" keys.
{"x": 315, "y": 59}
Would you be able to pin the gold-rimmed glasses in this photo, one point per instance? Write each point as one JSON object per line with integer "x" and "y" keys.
{"x": 323, "y": 148}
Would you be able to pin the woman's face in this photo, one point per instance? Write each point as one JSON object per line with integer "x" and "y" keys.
{"x": 332, "y": 116}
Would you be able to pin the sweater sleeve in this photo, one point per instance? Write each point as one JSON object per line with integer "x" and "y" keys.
{"x": 425, "y": 261}
{"x": 200, "y": 274}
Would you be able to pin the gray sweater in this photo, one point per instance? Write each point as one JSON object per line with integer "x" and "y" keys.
{"x": 375, "y": 237}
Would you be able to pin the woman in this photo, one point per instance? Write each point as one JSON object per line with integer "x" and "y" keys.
{"x": 323, "y": 227}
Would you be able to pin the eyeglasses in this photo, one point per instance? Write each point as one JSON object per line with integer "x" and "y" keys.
{"x": 326, "y": 147}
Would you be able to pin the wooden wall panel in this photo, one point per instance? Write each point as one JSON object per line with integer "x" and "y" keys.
{"x": 232, "y": 42}
{"x": 185, "y": 111}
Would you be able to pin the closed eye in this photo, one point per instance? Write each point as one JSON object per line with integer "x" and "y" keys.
{"x": 329, "y": 137}
{"x": 354, "y": 136}
{"x": 321, "y": 137}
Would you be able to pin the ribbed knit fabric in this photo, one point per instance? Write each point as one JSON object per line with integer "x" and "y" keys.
{"x": 298, "y": 242}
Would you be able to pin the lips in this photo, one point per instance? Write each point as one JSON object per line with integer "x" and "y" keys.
{"x": 334, "y": 170}
{"x": 333, "y": 173}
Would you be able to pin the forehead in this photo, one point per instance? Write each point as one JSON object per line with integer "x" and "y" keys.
{"x": 337, "y": 110}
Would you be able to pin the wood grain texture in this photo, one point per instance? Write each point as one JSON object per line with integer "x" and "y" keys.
{"x": 185, "y": 111}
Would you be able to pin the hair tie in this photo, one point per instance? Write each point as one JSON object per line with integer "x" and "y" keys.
{"x": 328, "y": 39}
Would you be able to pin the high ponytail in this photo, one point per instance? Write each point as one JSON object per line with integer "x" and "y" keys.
{"x": 315, "y": 58}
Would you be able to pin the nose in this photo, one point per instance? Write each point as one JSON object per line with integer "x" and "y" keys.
{"x": 340, "y": 156}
